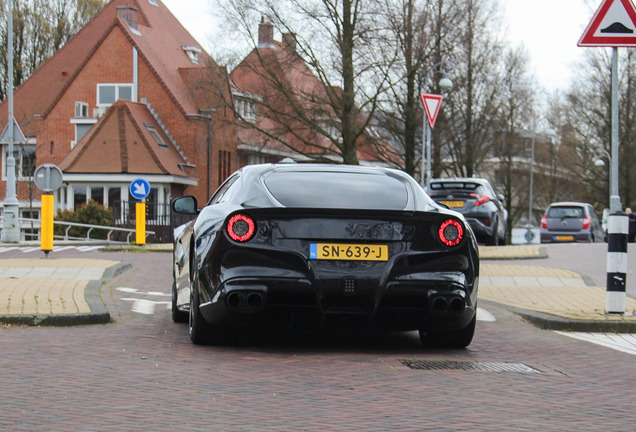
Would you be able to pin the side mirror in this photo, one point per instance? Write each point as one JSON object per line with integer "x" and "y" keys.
{"x": 185, "y": 205}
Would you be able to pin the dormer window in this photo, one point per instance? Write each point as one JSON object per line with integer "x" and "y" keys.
{"x": 153, "y": 2}
{"x": 156, "y": 136}
{"x": 192, "y": 52}
{"x": 245, "y": 106}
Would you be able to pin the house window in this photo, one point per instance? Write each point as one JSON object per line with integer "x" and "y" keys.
{"x": 330, "y": 128}
{"x": 192, "y": 52}
{"x": 156, "y": 136}
{"x": 245, "y": 108}
{"x": 255, "y": 158}
{"x": 107, "y": 94}
{"x": 153, "y": 2}
{"x": 225, "y": 165}
{"x": 25, "y": 161}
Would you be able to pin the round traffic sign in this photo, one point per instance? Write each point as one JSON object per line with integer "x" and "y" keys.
{"x": 139, "y": 188}
{"x": 48, "y": 177}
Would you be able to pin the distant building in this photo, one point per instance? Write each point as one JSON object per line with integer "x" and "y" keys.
{"x": 272, "y": 88}
{"x": 130, "y": 95}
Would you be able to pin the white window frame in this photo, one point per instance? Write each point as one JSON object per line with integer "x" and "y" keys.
{"x": 117, "y": 86}
{"x": 18, "y": 162}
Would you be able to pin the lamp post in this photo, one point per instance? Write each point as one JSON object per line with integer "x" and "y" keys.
{"x": 445, "y": 84}
{"x": 11, "y": 225}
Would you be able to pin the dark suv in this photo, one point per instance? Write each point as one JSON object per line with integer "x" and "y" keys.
{"x": 476, "y": 199}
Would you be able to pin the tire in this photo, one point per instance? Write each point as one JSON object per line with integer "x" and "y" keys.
{"x": 494, "y": 239}
{"x": 177, "y": 315}
{"x": 449, "y": 338}
{"x": 202, "y": 332}
{"x": 197, "y": 326}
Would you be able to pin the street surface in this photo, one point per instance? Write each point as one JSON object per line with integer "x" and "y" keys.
{"x": 141, "y": 372}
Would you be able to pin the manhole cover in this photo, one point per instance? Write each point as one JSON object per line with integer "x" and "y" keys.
{"x": 467, "y": 366}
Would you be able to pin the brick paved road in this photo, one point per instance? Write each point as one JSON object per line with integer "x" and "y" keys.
{"x": 142, "y": 373}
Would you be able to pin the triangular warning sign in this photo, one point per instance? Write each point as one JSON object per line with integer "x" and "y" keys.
{"x": 431, "y": 103}
{"x": 613, "y": 25}
{"x": 17, "y": 136}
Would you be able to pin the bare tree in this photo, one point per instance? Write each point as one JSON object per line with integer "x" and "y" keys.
{"x": 40, "y": 27}
{"x": 337, "y": 43}
{"x": 472, "y": 107}
{"x": 588, "y": 107}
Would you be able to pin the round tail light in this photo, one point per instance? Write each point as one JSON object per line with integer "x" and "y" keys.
{"x": 451, "y": 232}
{"x": 241, "y": 228}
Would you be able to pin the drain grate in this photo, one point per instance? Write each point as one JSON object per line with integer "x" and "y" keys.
{"x": 467, "y": 366}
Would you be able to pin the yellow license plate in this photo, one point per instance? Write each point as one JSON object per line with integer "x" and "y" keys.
{"x": 453, "y": 204}
{"x": 565, "y": 237}
{"x": 348, "y": 252}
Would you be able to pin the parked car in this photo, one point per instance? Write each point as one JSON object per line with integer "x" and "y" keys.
{"x": 310, "y": 245}
{"x": 476, "y": 199}
{"x": 571, "y": 222}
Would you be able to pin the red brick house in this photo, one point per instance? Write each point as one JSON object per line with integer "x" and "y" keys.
{"x": 273, "y": 88}
{"x": 131, "y": 95}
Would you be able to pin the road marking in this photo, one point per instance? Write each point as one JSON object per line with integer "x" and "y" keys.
{"x": 484, "y": 315}
{"x": 623, "y": 342}
{"x": 142, "y": 305}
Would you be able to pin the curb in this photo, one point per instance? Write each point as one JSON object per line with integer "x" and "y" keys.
{"x": 546, "y": 321}
{"x": 99, "y": 313}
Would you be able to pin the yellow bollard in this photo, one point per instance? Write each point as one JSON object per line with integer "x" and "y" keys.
{"x": 46, "y": 223}
{"x": 140, "y": 219}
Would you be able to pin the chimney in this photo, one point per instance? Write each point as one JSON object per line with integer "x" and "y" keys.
{"x": 265, "y": 34}
{"x": 290, "y": 41}
{"x": 129, "y": 14}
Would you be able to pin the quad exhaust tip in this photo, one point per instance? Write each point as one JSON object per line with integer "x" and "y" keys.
{"x": 237, "y": 301}
{"x": 454, "y": 304}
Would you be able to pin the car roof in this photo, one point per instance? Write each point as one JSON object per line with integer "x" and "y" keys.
{"x": 568, "y": 203}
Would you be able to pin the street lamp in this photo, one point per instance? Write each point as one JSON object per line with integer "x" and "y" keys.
{"x": 445, "y": 84}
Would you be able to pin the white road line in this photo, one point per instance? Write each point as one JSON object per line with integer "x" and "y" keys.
{"x": 61, "y": 248}
{"x": 623, "y": 342}
{"x": 29, "y": 249}
{"x": 88, "y": 248}
{"x": 484, "y": 315}
{"x": 7, "y": 249}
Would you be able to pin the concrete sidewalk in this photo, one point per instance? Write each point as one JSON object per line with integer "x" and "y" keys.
{"x": 58, "y": 291}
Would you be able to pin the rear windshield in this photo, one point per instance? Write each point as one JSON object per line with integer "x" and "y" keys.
{"x": 337, "y": 190}
{"x": 449, "y": 187}
{"x": 565, "y": 212}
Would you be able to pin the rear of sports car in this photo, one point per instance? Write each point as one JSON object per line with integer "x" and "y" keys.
{"x": 359, "y": 269}
{"x": 353, "y": 247}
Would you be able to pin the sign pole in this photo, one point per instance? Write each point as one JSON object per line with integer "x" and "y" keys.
{"x": 618, "y": 222}
{"x": 614, "y": 25}
{"x": 11, "y": 225}
{"x": 140, "y": 219}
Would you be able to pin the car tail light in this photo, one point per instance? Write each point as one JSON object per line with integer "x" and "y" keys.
{"x": 241, "y": 228}
{"x": 586, "y": 222}
{"x": 451, "y": 232}
{"x": 481, "y": 198}
{"x": 544, "y": 222}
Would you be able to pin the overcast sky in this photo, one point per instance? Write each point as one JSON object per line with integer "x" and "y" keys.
{"x": 550, "y": 30}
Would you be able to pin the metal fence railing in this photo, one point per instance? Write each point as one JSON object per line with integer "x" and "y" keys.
{"x": 112, "y": 234}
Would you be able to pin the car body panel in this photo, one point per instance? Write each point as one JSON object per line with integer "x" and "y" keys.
{"x": 277, "y": 277}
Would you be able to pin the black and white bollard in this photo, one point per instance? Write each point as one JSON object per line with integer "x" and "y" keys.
{"x": 617, "y": 232}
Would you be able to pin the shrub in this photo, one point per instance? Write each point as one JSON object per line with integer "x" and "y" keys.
{"x": 90, "y": 213}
